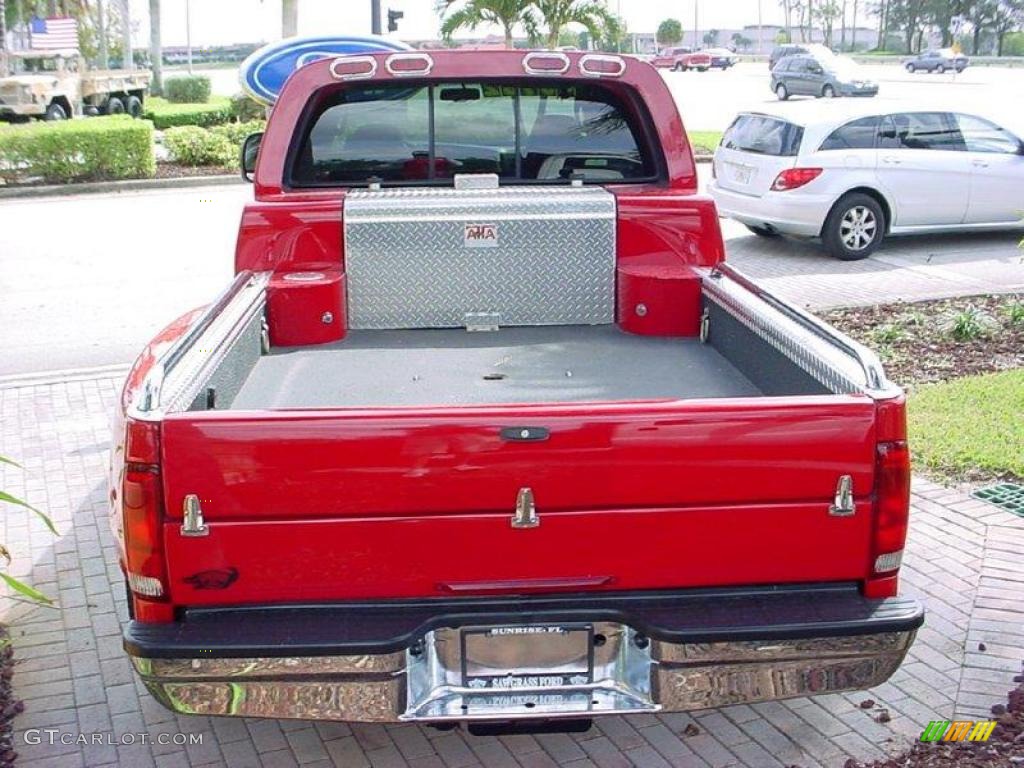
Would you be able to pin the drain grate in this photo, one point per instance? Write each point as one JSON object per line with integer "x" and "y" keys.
{"x": 1009, "y": 496}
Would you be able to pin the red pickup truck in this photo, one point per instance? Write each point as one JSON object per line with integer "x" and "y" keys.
{"x": 486, "y": 428}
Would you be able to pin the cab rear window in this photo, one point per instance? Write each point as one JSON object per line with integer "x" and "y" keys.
{"x": 763, "y": 135}
{"x": 414, "y": 133}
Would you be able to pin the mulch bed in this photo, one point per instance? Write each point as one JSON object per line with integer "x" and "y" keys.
{"x": 176, "y": 171}
{"x": 9, "y": 706}
{"x": 916, "y": 341}
{"x": 1005, "y": 747}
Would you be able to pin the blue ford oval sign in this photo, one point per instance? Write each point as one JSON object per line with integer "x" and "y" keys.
{"x": 263, "y": 74}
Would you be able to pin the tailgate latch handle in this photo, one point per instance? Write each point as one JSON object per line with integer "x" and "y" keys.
{"x": 843, "y": 505}
{"x": 192, "y": 513}
{"x": 526, "y": 511}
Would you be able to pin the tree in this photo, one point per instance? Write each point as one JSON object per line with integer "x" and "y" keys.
{"x": 472, "y": 13}
{"x": 156, "y": 49}
{"x": 289, "y": 18}
{"x": 787, "y": 14}
{"x": 740, "y": 42}
{"x": 982, "y": 15}
{"x": 826, "y": 12}
{"x": 1009, "y": 18}
{"x": 940, "y": 13}
{"x": 670, "y": 32}
{"x": 853, "y": 30}
{"x": 615, "y": 37}
{"x": 555, "y": 14}
{"x": 711, "y": 37}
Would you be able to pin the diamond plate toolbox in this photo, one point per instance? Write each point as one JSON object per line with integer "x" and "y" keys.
{"x": 430, "y": 258}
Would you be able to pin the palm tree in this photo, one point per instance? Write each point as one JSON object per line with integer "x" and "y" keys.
{"x": 472, "y": 13}
{"x": 156, "y": 49}
{"x": 555, "y": 14}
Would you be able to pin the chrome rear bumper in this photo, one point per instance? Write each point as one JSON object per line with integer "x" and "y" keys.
{"x": 424, "y": 683}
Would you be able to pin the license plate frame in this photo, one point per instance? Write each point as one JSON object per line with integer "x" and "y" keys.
{"x": 524, "y": 645}
{"x": 741, "y": 174}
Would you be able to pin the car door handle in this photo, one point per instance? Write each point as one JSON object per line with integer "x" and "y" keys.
{"x": 891, "y": 160}
{"x": 978, "y": 163}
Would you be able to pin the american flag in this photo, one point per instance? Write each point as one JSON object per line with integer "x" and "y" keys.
{"x": 54, "y": 34}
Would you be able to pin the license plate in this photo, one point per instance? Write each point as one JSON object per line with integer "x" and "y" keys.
{"x": 514, "y": 657}
{"x": 740, "y": 173}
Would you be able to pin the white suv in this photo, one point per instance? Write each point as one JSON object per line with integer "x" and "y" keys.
{"x": 851, "y": 177}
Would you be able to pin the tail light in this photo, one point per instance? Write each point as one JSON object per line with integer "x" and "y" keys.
{"x": 142, "y": 507}
{"x": 892, "y": 506}
{"x": 142, "y": 516}
{"x": 792, "y": 178}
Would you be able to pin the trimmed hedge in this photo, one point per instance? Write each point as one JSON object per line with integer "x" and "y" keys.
{"x": 88, "y": 149}
{"x": 193, "y": 89}
{"x": 167, "y": 115}
{"x": 219, "y": 146}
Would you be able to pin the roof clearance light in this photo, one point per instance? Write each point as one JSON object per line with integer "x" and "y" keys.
{"x": 599, "y": 65}
{"x": 546, "y": 63}
{"x": 407, "y": 64}
{"x": 354, "y": 67}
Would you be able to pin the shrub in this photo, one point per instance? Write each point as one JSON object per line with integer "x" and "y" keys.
{"x": 1015, "y": 312}
{"x": 888, "y": 334}
{"x": 194, "y": 89}
{"x": 190, "y": 145}
{"x": 969, "y": 324}
{"x": 166, "y": 115}
{"x": 244, "y": 109}
{"x": 90, "y": 149}
{"x": 236, "y": 133}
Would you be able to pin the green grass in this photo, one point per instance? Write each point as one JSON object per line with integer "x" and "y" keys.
{"x": 971, "y": 426}
{"x": 704, "y": 140}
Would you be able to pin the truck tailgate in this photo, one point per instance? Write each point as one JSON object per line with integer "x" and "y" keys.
{"x": 320, "y": 505}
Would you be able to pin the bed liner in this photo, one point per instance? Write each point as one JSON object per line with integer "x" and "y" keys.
{"x": 512, "y": 365}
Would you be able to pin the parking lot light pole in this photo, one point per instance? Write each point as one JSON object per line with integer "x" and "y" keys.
{"x": 188, "y": 33}
{"x": 375, "y": 27}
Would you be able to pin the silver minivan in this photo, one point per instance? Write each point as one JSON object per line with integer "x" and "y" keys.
{"x": 805, "y": 75}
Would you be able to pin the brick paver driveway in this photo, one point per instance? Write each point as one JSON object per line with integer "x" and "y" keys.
{"x": 963, "y": 560}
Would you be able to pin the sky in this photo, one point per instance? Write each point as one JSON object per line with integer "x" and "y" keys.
{"x": 218, "y": 22}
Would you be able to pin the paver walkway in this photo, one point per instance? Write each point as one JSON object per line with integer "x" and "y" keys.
{"x": 963, "y": 561}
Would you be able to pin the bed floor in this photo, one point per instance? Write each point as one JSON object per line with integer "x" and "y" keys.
{"x": 513, "y": 365}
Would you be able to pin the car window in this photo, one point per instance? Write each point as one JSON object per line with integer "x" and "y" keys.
{"x": 763, "y": 135}
{"x": 858, "y": 134}
{"x": 429, "y": 133}
{"x": 983, "y": 136}
{"x": 921, "y": 130}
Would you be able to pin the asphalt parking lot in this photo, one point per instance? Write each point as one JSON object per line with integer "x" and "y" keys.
{"x": 96, "y": 301}
{"x": 709, "y": 100}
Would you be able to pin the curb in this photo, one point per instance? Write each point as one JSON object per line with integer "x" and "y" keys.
{"x": 130, "y": 185}
{"x": 43, "y": 378}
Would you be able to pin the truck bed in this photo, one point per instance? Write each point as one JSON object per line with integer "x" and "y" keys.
{"x": 513, "y": 365}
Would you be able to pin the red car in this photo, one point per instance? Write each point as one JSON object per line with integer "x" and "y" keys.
{"x": 487, "y": 429}
{"x": 682, "y": 59}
